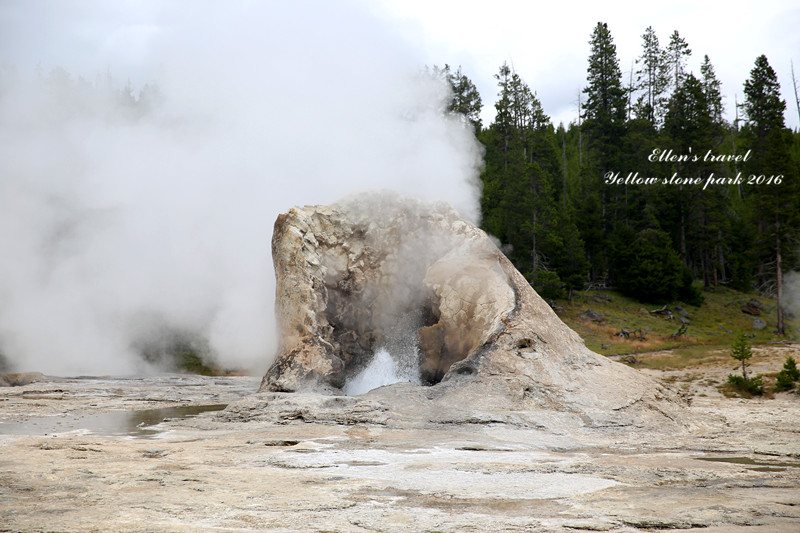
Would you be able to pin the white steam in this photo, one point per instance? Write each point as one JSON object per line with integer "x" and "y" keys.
{"x": 791, "y": 294}
{"x": 383, "y": 369}
{"x": 118, "y": 219}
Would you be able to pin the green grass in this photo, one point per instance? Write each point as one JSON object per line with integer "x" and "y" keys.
{"x": 182, "y": 352}
{"x": 193, "y": 363}
{"x": 714, "y": 325}
{"x": 687, "y": 357}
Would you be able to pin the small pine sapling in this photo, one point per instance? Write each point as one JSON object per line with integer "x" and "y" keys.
{"x": 740, "y": 350}
{"x": 786, "y": 378}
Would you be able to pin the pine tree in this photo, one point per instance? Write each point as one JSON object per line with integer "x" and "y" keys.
{"x": 604, "y": 126}
{"x": 715, "y": 224}
{"x": 522, "y": 166}
{"x": 652, "y": 78}
{"x": 763, "y": 106}
{"x": 604, "y": 109}
{"x": 465, "y": 100}
{"x": 740, "y": 350}
{"x": 788, "y": 376}
{"x": 678, "y": 52}
{"x": 712, "y": 89}
{"x": 775, "y": 204}
{"x": 690, "y": 125}
{"x": 647, "y": 267}
{"x": 566, "y": 252}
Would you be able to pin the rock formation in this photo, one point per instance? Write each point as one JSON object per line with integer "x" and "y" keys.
{"x": 375, "y": 269}
{"x": 11, "y": 379}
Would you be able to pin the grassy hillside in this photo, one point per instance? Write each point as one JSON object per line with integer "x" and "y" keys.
{"x": 714, "y": 324}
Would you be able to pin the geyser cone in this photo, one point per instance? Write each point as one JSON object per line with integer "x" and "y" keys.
{"x": 348, "y": 273}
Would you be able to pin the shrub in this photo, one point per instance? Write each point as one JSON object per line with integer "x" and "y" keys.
{"x": 547, "y": 284}
{"x": 790, "y": 367}
{"x": 746, "y": 386}
{"x": 786, "y": 378}
{"x": 687, "y": 292}
{"x": 783, "y": 382}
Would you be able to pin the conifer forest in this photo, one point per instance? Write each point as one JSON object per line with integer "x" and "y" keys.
{"x": 651, "y": 189}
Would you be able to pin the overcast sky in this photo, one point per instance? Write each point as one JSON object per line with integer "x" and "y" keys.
{"x": 547, "y": 42}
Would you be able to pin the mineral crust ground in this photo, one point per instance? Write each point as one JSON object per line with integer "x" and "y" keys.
{"x": 308, "y": 462}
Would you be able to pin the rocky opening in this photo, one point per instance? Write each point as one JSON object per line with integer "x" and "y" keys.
{"x": 352, "y": 281}
{"x": 359, "y": 334}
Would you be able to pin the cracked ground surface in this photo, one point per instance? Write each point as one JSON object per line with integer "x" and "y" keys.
{"x": 735, "y": 468}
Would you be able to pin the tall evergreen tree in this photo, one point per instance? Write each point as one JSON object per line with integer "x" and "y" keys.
{"x": 716, "y": 206}
{"x": 465, "y": 100}
{"x": 712, "y": 89}
{"x": 652, "y": 78}
{"x": 604, "y": 109}
{"x": 521, "y": 188}
{"x": 604, "y": 125}
{"x": 678, "y": 52}
{"x": 566, "y": 253}
{"x": 775, "y": 205}
{"x": 689, "y": 126}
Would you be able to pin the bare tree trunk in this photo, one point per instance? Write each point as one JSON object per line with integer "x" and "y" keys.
{"x": 682, "y": 236}
{"x": 794, "y": 86}
{"x": 733, "y": 142}
{"x": 779, "y": 276}
{"x": 716, "y": 278}
{"x": 564, "y": 160}
{"x": 714, "y": 263}
{"x": 534, "y": 254}
{"x": 760, "y": 270}
{"x": 704, "y": 267}
{"x": 580, "y": 141}
{"x": 630, "y": 90}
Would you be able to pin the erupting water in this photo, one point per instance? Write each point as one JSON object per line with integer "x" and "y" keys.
{"x": 382, "y": 370}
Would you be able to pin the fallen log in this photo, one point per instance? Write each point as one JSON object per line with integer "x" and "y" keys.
{"x": 680, "y": 332}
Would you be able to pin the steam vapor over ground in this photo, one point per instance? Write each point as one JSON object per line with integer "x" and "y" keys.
{"x": 127, "y": 213}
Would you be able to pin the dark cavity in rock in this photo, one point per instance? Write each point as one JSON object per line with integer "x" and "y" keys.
{"x": 380, "y": 272}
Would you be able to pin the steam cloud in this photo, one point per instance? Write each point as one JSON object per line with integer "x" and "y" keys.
{"x": 791, "y": 293}
{"x": 117, "y": 222}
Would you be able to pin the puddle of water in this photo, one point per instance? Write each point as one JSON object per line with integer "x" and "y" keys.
{"x": 767, "y": 469}
{"x": 760, "y": 466}
{"x": 116, "y": 423}
{"x": 361, "y": 463}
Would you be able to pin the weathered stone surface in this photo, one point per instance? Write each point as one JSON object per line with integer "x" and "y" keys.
{"x": 394, "y": 461}
{"x": 759, "y": 323}
{"x": 472, "y": 297}
{"x": 592, "y": 315}
{"x": 352, "y": 275}
{"x": 10, "y": 379}
{"x": 351, "y": 278}
{"x": 753, "y": 307}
